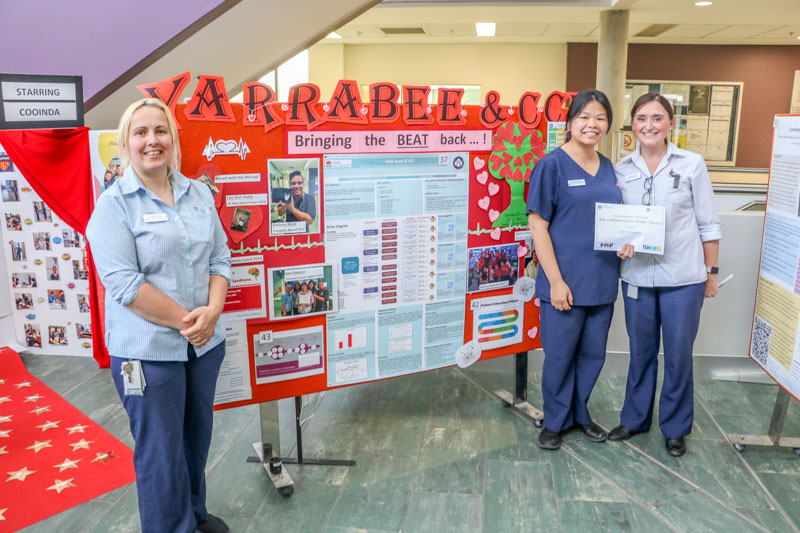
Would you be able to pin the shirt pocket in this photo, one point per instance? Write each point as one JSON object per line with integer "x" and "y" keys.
{"x": 680, "y": 196}
{"x": 199, "y": 226}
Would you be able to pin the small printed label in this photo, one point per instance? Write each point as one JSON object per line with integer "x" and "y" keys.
{"x": 576, "y": 183}
{"x": 149, "y": 218}
{"x": 632, "y": 177}
{"x": 264, "y": 337}
{"x": 633, "y": 291}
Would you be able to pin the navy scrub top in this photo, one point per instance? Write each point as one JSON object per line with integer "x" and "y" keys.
{"x": 591, "y": 275}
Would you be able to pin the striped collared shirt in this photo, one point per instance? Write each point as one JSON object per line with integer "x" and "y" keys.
{"x": 135, "y": 238}
{"x": 681, "y": 184}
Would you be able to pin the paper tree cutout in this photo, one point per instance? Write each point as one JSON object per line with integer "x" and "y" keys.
{"x": 516, "y": 150}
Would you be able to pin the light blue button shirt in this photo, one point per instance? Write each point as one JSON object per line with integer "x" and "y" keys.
{"x": 135, "y": 238}
{"x": 681, "y": 184}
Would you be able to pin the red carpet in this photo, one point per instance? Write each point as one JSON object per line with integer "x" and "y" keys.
{"x": 52, "y": 456}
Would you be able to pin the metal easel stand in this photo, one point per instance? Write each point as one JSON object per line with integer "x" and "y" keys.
{"x": 519, "y": 399}
{"x": 268, "y": 450}
{"x": 773, "y": 437}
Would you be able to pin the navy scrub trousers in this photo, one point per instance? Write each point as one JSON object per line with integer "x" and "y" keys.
{"x": 171, "y": 424}
{"x": 674, "y": 314}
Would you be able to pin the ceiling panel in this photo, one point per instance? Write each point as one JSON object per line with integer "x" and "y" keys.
{"x": 450, "y": 30}
{"x": 741, "y": 31}
{"x": 692, "y": 31}
{"x": 570, "y": 30}
{"x": 520, "y": 29}
{"x": 781, "y": 32}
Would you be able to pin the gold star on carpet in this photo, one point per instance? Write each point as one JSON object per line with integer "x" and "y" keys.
{"x": 2, "y": 382}
{"x": 6, "y": 418}
{"x": 34, "y": 398}
{"x": 5, "y": 399}
{"x": 60, "y": 485}
{"x": 22, "y": 384}
{"x": 1, "y": 513}
{"x": 20, "y": 474}
{"x": 48, "y": 425}
{"x": 68, "y": 463}
{"x": 4, "y": 433}
{"x": 81, "y": 444}
{"x": 39, "y": 444}
{"x": 77, "y": 428}
{"x": 105, "y": 457}
{"x": 3, "y": 450}
{"x": 40, "y": 410}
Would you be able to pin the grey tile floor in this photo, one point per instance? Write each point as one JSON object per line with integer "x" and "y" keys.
{"x": 437, "y": 452}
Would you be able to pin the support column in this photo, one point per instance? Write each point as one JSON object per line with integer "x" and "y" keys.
{"x": 612, "y": 66}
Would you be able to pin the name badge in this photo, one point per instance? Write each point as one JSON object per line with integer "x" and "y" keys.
{"x": 633, "y": 177}
{"x": 149, "y": 218}
{"x": 576, "y": 183}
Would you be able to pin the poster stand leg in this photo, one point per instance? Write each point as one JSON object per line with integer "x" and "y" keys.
{"x": 268, "y": 449}
{"x": 519, "y": 399}
{"x": 773, "y": 437}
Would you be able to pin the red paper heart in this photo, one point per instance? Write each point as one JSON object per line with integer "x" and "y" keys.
{"x": 212, "y": 171}
{"x": 256, "y": 219}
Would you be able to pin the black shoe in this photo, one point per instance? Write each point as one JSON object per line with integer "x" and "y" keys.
{"x": 594, "y": 432}
{"x": 622, "y": 433}
{"x": 213, "y": 524}
{"x": 549, "y": 440}
{"x": 676, "y": 447}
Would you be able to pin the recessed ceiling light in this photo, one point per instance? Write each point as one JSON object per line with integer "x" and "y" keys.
{"x": 702, "y": 4}
{"x": 333, "y": 35}
{"x": 484, "y": 29}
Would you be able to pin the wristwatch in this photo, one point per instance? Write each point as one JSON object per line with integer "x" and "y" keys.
{"x": 712, "y": 270}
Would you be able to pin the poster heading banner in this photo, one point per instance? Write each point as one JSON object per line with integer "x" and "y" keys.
{"x": 379, "y": 141}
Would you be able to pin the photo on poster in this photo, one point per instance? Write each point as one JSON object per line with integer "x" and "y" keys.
{"x": 57, "y": 335}
{"x": 112, "y": 173}
{"x": 302, "y": 291}
{"x": 41, "y": 212}
{"x": 23, "y": 280}
{"x": 13, "y": 222}
{"x": 294, "y": 196}
{"x": 51, "y": 265}
{"x": 56, "y": 299}
{"x": 10, "y": 190}
{"x": 84, "y": 331}
{"x": 23, "y": 300}
{"x": 699, "y": 99}
{"x": 83, "y": 303}
{"x": 241, "y": 220}
{"x": 18, "y": 251}
{"x": 288, "y": 354}
{"x": 41, "y": 241}
{"x": 33, "y": 336}
{"x": 210, "y": 183}
{"x": 71, "y": 238}
{"x": 492, "y": 267}
{"x": 79, "y": 271}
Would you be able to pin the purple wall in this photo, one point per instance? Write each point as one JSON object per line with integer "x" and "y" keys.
{"x": 96, "y": 39}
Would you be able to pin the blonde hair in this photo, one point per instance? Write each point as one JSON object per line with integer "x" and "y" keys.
{"x": 125, "y": 127}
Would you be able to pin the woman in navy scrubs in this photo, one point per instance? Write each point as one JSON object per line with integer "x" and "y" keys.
{"x": 576, "y": 285}
{"x": 663, "y": 294}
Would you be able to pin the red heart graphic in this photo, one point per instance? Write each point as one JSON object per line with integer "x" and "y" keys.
{"x": 527, "y": 157}
{"x": 256, "y": 219}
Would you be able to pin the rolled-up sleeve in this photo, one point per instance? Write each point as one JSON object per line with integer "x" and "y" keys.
{"x": 220, "y": 260}
{"x": 705, "y": 208}
{"x": 114, "y": 250}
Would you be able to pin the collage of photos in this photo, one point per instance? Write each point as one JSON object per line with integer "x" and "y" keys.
{"x": 293, "y": 195}
{"x": 40, "y": 251}
{"x": 112, "y": 173}
{"x": 492, "y": 267}
{"x": 302, "y": 291}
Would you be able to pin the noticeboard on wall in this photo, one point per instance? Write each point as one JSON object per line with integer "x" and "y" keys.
{"x": 706, "y": 115}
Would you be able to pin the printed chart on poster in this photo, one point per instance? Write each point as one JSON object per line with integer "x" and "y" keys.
{"x": 775, "y": 341}
{"x": 396, "y": 230}
{"x": 47, "y": 271}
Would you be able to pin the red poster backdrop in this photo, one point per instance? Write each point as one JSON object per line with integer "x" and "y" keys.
{"x": 498, "y": 172}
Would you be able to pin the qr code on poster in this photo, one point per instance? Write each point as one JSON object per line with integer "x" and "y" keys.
{"x": 762, "y": 332}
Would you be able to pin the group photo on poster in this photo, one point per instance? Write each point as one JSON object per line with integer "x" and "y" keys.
{"x": 302, "y": 291}
{"x": 493, "y": 267}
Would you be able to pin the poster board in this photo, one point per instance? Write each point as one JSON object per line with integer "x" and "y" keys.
{"x": 706, "y": 115}
{"x": 776, "y": 319}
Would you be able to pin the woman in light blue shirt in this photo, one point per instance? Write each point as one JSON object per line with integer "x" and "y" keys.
{"x": 663, "y": 294}
{"x": 162, "y": 256}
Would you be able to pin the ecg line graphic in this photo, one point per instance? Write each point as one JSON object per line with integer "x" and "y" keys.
{"x": 504, "y": 320}
{"x": 480, "y": 231}
{"x": 275, "y": 247}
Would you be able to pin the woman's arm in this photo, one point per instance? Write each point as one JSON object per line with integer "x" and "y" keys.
{"x": 198, "y": 326}
{"x": 560, "y": 293}
{"x": 711, "y": 256}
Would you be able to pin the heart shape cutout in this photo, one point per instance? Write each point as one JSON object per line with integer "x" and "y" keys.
{"x": 482, "y": 177}
{"x": 532, "y": 332}
{"x": 256, "y": 219}
{"x": 522, "y": 250}
{"x": 494, "y": 214}
{"x": 225, "y": 147}
{"x": 483, "y": 203}
{"x": 495, "y": 234}
{"x": 493, "y": 189}
{"x": 478, "y": 163}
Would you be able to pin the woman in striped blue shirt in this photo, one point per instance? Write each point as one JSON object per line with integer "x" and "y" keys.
{"x": 163, "y": 258}
{"x": 663, "y": 294}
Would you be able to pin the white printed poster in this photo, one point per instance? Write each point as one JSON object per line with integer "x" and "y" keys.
{"x": 497, "y": 321}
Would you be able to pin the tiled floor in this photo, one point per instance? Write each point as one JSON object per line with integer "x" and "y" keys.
{"x": 437, "y": 452}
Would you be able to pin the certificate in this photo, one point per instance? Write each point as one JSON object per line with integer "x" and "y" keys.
{"x": 639, "y": 225}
